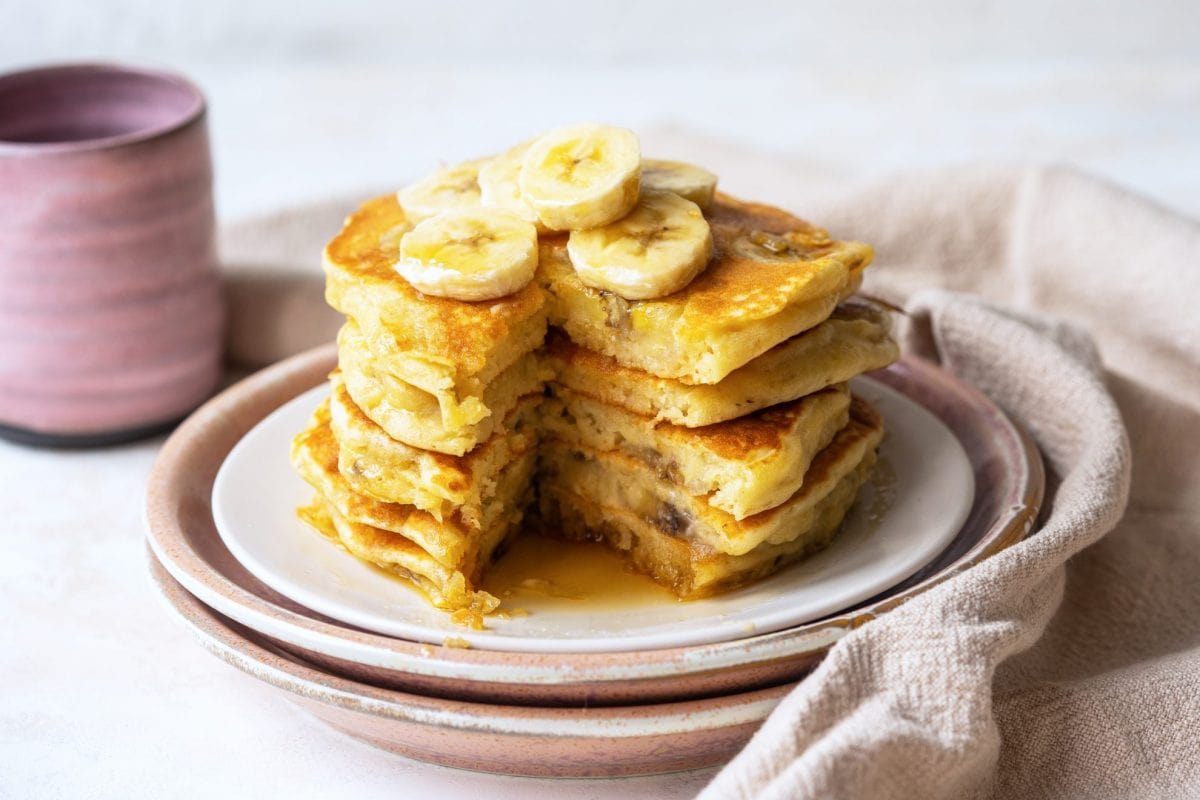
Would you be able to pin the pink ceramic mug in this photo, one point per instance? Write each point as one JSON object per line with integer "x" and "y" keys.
{"x": 110, "y": 302}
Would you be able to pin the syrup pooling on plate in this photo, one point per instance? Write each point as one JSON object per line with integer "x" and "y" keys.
{"x": 567, "y": 574}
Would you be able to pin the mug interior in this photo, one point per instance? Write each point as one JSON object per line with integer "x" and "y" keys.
{"x": 87, "y": 105}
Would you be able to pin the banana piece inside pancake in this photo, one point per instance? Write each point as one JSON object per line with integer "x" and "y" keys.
{"x": 616, "y": 480}
{"x": 652, "y": 545}
{"x": 742, "y": 466}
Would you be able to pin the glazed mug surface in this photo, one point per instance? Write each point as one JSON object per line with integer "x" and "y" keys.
{"x": 110, "y": 299}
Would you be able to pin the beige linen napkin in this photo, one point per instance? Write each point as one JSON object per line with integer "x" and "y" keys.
{"x": 1030, "y": 675}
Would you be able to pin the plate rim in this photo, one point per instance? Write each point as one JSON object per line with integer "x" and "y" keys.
{"x": 221, "y": 422}
{"x": 290, "y": 673}
{"x": 554, "y": 741}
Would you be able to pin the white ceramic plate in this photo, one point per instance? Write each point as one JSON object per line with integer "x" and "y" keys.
{"x": 929, "y": 480}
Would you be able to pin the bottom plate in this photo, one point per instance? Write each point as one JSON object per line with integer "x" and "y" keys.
{"x": 513, "y": 740}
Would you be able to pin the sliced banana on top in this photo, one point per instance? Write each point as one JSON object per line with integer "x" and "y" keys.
{"x": 449, "y": 187}
{"x": 657, "y": 249}
{"x": 686, "y": 180}
{"x": 582, "y": 176}
{"x": 469, "y": 254}
{"x": 499, "y": 185}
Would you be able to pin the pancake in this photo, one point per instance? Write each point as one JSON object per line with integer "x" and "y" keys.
{"x": 772, "y": 276}
{"x": 455, "y": 546}
{"x": 376, "y": 465}
{"x": 446, "y": 588}
{"x": 853, "y": 340}
{"x": 434, "y": 343}
{"x": 615, "y": 480}
{"x": 742, "y": 466}
{"x": 444, "y": 422}
{"x": 686, "y": 566}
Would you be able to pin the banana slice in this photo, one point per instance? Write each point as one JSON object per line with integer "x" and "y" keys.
{"x": 582, "y": 176}
{"x": 499, "y": 185}
{"x": 469, "y": 254}
{"x": 686, "y": 180}
{"x": 450, "y": 187}
{"x": 657, "y": 249}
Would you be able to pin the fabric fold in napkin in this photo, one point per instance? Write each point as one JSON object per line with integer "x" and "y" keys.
{"x": 1065, "y": 666}
{"x": 904, "y": 708}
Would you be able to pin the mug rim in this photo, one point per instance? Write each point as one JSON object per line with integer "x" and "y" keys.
{"x": 195, "y": 109}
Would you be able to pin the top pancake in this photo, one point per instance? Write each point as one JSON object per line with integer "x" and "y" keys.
{"x": 772, "y": 275}
{"x": 432, "y": 342}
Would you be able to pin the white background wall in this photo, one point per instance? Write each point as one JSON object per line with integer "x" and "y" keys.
{"x": 316, "y": 98}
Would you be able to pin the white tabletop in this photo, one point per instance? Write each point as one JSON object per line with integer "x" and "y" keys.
{"x": 105, "y": 695}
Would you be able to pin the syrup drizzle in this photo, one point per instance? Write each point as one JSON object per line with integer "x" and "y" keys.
{"x": 563, "y": 574}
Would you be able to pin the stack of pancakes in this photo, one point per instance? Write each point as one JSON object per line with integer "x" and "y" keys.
{"x": 424, "y": 455}
{"x": 708, "y": 435}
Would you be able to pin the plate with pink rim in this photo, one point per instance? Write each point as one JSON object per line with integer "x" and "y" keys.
{"x": 1007, "y": 480}
{"x": 554, "y": 741}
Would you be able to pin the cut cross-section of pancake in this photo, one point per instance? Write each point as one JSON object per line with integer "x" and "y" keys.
{"x": 853, "y": 340}
{"x": 377, "y": 465}
{"x": 772, "y": 275}
{"x": 442, "y": 553}
{"x": 690, "y": 568}
{"x": 445, "y": 587}
{"x": 437, "y": 344}
{"x": 444, "y": 422}
{"x": 615, "y": 480}
{"x": 742, "y": 466}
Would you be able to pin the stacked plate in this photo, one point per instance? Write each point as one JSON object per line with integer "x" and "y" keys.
{"x": 574, "y": 689}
